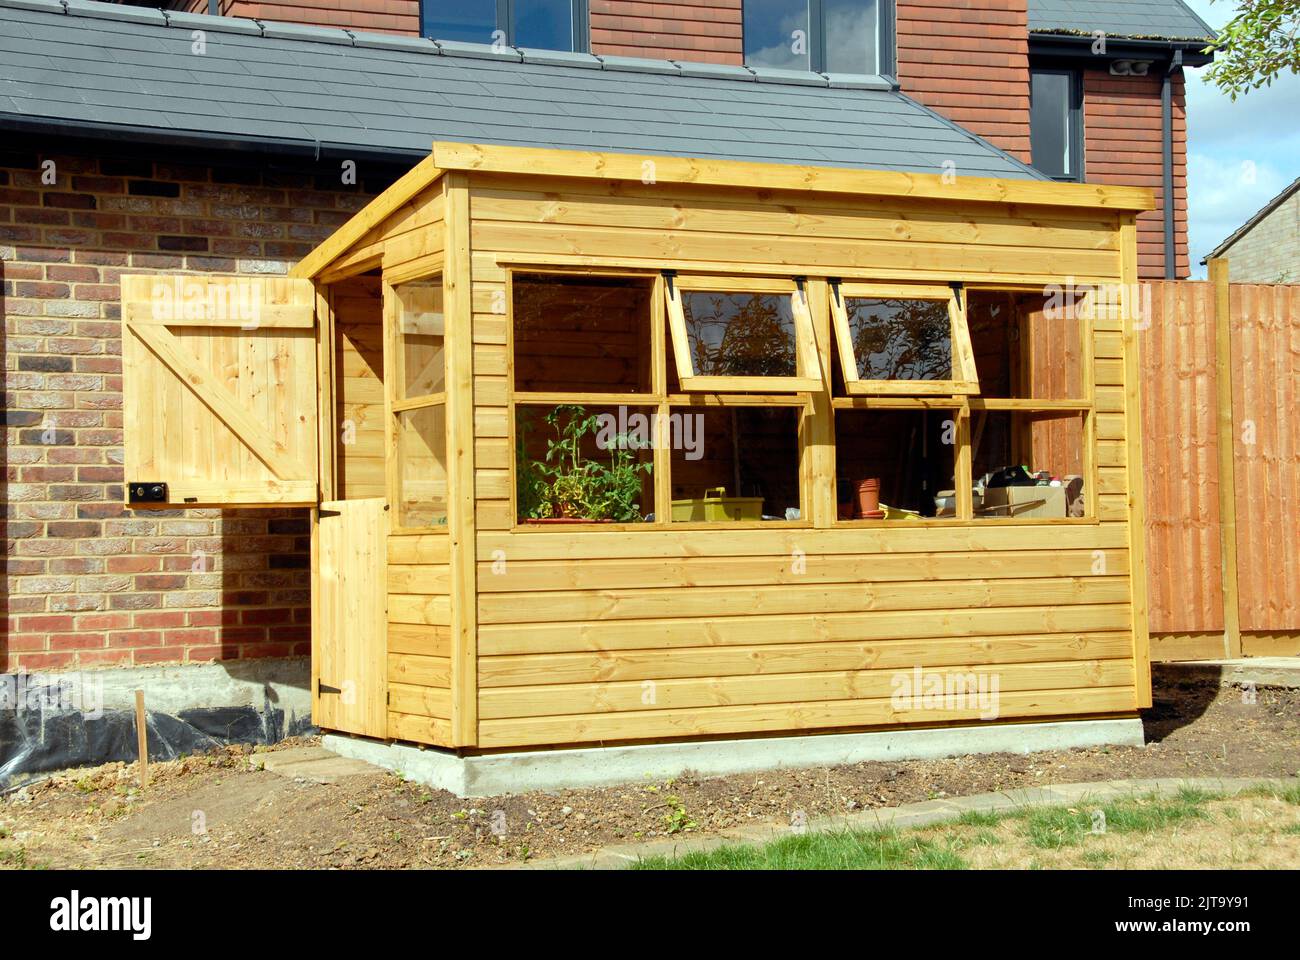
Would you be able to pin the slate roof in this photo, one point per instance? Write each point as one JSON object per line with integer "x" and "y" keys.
{"x": 1145, "y": 19}
{"x": 130, "y": 72}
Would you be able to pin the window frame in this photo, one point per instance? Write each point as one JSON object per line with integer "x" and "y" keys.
{"x": 659, "y": 399}
{"x": 963, "y": 355}
{"x": 886, "y": 40}
{"x": 394, "y": 386}
{"x": 808, "y": 378}
{"x": 506, "y": 19}
{"x": 1074, "y": 133}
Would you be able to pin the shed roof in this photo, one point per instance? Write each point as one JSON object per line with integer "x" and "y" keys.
{"x": 1144, "y": 19}
{"x": 84, "y": 66}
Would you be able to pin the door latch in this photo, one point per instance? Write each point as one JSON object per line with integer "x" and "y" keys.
{"x": 146, "y": 491}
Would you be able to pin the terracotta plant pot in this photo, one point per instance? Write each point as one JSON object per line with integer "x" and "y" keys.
{"x": 869, "y": 497}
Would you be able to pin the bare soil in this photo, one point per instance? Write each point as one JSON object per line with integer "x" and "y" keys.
{"x": 217, "y": 811}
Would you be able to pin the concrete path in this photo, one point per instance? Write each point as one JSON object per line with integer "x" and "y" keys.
{"x": 312, "y": 763}
{"x": 908, "y": 815}
{"x": 1263, "y": 671}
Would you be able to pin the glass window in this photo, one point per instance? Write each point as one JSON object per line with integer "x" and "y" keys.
{"x": 535, "y": 24}
{"x": 826, "y": 36}
{"x": 423, "y": 362}
{"x": 581, "y": 333}
{"x": 1056, "y": 123}
{"x": 422, "y": 467}
{"x": 902, "y": 339}
{"x": 776, "y": 34}
{"x": 741, "y": 335}
{"x": 852, "y": 36}
{"x": 468, "y": 21}
{"x": 735, "y": 463}
{"x": 896, "y": 464}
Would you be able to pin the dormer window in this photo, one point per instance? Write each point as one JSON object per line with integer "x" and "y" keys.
{"x": 824, "y": 36}
{"x": 530, "y": 24}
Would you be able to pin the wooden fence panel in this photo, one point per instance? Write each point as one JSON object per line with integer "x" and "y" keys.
{"x": 1181, "y": 455}
{"x": 1266, "y": 417}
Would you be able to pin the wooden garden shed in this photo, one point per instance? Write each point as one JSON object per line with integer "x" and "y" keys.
{"x": 614, "y": 448}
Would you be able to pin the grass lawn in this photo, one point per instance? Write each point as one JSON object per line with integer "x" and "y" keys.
{"x": 1255, "y": 829}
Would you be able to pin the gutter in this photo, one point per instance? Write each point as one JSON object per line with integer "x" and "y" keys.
{"x": 1167, "y": 156}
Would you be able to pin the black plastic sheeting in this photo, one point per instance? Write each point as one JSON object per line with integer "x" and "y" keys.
{"x": 45, "y": 732}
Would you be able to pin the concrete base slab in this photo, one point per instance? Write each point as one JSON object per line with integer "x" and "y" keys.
{"x": 1261, "y": 671}
{"x": 525, "y": 771}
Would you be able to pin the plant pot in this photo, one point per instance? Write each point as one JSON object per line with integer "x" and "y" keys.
{"x": 869, "y": 498}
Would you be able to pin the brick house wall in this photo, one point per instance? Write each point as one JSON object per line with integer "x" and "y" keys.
{"x": 86, "y": 581}
{"x": 378, "y": 16}
{"x": 709, "y": 31}
{"x": 969, "y": 62}
{"x": 1122, "y": 145}
{"x": 1270, "y": 251}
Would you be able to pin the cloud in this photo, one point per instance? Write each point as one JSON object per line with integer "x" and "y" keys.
{"x": 1225, "y": 193}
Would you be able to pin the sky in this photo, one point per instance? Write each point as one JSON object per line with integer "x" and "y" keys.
{"x": 1239, "y": 154}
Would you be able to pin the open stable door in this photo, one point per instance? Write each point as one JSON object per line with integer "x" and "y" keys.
{"x": 219, "y": 391}
{"x": 350, "y": 609}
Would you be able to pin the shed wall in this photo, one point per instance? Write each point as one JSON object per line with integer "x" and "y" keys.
{"x": 598, "y": 636}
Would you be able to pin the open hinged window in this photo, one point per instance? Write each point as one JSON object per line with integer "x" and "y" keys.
{"x": 741, "y": 335}
{"x": 903, "y": 340}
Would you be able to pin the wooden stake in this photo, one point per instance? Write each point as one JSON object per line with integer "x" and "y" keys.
{"x": 1218, "y": 271}
{"x": 142, "y": 738}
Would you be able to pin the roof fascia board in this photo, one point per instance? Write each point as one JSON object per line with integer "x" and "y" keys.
{"x": 1117, "y": 48}
{"x": 410, "y": 185}
{"x": 535, "y": 161}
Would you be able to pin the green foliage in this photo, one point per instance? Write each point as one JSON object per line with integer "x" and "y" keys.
{"x": 568, "y": 483}
{"x": 677, "y": 819}
{"x": 1260, "y": 42}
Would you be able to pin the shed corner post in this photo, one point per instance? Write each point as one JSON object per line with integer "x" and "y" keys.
{"x": 458, "y": 305}
{"x": 1226, "y": 431}
{"x": 1133, "y": 318}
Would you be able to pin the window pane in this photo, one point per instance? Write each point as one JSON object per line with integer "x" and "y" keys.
{"x": 852, "y": 29}
{"x": 1027, "y": 464}
{"x": 472, "y": 21}
{"x": 582, "y": 334}
{"x": 422, "y": 467}
{"x": 544, "y": 24}
{"x": 740, "y": 334}
{"x": 734, "y": 463}
{"x": 902, "y": 461}
{"x": 776, "y": 33}
{"x": 1029, "y": 346}
{"x": 900, "y": 339}
{"x": 1050, "y": 99}
{"x": 587, "y": 463}
{"x": 421, "y": 329}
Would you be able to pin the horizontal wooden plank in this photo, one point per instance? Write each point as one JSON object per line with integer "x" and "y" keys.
{"x": 424, "y": 548}
{"x": 422, "y": 640}
{"x": 989, "y": 681}
{"x": 431, "y": 730}
{"x": 423, "y": 578}
{"x": 418, "y": 670}
{"x": 651, "y": 543}
{"x": 420, "y": 701}
{"x": 872, "y": 626}
{"x": 672, "y": 606}
{"x": 479, "y": 158}
{"x": 658, "y": 724}
{"x": 528, "y": 575}
{"x": 408, "y": 608}
{"x": 656, "y": 664}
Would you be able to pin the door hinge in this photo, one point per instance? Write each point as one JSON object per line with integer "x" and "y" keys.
{"x": 322, "y": 514}
{"x": 323, "y": 688}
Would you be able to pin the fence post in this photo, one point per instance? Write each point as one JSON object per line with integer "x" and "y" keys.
{"x": 1218, "y": 271}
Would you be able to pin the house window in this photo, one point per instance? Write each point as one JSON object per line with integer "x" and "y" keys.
{"x": 531, "y": 24}
{"x": 1056, "y": 123}
{"x": 825, "y": 36}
